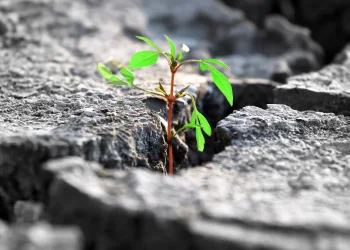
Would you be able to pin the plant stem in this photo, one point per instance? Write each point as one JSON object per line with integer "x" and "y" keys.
{"x": 170, "y": 144}
{"x": 193, "y": 101}
{"x": 177, "y": 132}
{"x": 182, "y": 129}
{"x": 171, "y": 100}
{"x": 185, "y": 62}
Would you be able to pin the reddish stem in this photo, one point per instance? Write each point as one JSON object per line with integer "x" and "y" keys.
{"x": 170, "y": 146}
{"x": 170, "y": 100}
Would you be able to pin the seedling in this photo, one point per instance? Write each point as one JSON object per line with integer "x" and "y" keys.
{"x": 147, "y": 58}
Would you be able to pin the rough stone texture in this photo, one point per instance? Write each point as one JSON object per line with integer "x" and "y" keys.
{"x": 247, "y": 92}
{"x": 327, "y": 19}
{"x": 327, "y": 90}
{"x": 214, "y": 106}
{"x": 3, "y": 26}
{"x": 3, "y": 229}
{"x": 253, "y": 125}
{"x": 40, "y": 237}
{"x": 257, "y": 193}
{"x": 27, "y": 212}
{"x": 54, "y": 104}
{"x": 343, "y": 58}
{"x": 276, "y": 51}
{"x": 281, "y": 183}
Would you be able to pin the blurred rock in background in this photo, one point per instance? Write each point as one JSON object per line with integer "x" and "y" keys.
{"x": 327, "y": 20}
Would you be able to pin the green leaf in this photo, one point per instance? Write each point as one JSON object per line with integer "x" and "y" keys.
{"x": 200, "y": 139}
{"x": 167, "y": 54}
{"x": 162, "y": 87}
{"x": 107, "y": 74}
{"x": 143, "y": 59}
{"x": 217, "y": 62}
{"x": 104, "y": 71}
{"x": 220, "y": 81}
{"x": 181, "y": 92}
{"x": 223, "y": 84}
{"x": 118, "y": 82}
{"x": 194, "y": 117}
{"x": 203, "y": 66}
{"x": 205, "y": 124}
{"x": 172, "y": 47}
{"x": 115, "y": 80}
{"x": 161, "y": 91}
{"x": 128, "y": 75}
{"x": 189, "y": 125}
{"x": 145, "y": 39}
{"x": 180, "y": 56}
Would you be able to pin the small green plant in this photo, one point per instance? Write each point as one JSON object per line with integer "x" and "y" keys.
{"x": 147, "y": 58}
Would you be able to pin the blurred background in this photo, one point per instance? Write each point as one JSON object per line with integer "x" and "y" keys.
{"x": 270, "y": 39}
{"x": 258, "y": 38}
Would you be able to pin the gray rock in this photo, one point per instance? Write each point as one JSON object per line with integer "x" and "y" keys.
{"x": 41, "y": 237}
{"x": 54, "y": 104}
{"x": 194, "y": 23}
{"x": 3, "y": 25}
{"x": 277, "y": 51}
{"x": 343, "y": 58}
{"x": 328, "y": 19}
{"x": 5, "y": 207}
{"x": 3, "y": 229}
{"x": 119, "y": 140}
{"x": 27, "y": 212}
{"x": 212, "y": 235}
{"x": 327, "y": 90}
{"x": 324, "y": 20}
{"x": 247, "y": 92}
{"x": 253, "y": 125}
{"x": 53, "y": 111}
{"x": 257, "y": 66}
{"x": 284, "y": 176}
{"x": 255, "y": 10}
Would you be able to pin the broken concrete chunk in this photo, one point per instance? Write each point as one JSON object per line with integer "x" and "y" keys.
{"x": 285, "y": 175}
{"x": 327, "y": 90}
{"x": 255, "y": 125}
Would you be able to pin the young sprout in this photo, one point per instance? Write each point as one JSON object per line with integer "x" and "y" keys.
{"x": 175, "y": 61}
